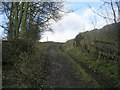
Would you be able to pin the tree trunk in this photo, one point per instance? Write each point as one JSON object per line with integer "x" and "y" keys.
{"x": 24, "y": 18}
{"x": 10, "y": 29}
{"x": 114, "y": 14}
{"x": 16, "y": 21}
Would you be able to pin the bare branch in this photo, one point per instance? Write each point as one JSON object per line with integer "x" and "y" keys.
{"x": 4, "y": 27}
{"x": 99, "y": 14}
{"x": 94, "y": 22}
{"x": 114, "y": 14}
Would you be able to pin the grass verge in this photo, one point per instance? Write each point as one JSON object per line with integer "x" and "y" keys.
{"x": 108, "y": 69}
{"x": 80, "y": 73}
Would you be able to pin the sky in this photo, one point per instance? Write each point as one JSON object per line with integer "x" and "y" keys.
{"x": 1, "y": 29}
{"x": 71, "y": 24}
{"x": 75, "y": 22}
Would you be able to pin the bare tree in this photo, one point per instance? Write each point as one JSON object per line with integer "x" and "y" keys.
{"x": 111, "y": 3}
{"x": 106, "y": 4}
{"x": 26, "y": 17}
{"x": 118, "y": 6}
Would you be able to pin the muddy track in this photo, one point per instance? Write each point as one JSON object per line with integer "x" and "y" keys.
{"x": 60, "y": 74}
{"x": 102, "y": 81}
{"x": 96, "y": 75}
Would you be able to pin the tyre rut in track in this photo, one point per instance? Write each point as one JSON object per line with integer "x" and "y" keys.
{"x": 60, "y": 72}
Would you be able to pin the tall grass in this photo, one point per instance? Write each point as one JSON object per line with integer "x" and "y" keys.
{"x": 108, "y": 69}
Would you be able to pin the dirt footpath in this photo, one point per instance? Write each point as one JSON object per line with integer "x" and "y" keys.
{"x": 60, "y": 73}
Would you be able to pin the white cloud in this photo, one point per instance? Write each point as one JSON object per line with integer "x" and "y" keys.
{"x": 65, "y": 29}
{"x": 59, "y": 36}
{"x": 72, "y": 24}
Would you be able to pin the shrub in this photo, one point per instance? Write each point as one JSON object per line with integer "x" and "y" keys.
{"x": 12, "y": 49}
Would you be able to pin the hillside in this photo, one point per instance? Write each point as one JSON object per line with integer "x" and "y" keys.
{"x": 98, "y": 51}
{"x": 90, "y": 60}
{"x": 34, "y": 52}
{"x": 43, "y": 65}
